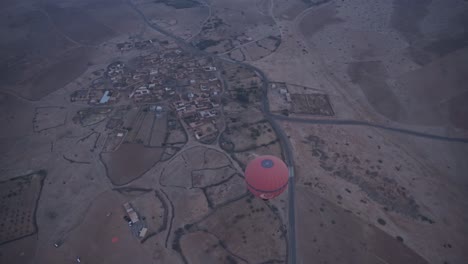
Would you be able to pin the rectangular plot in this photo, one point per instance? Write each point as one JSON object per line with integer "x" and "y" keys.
{"x": 145, "y": 131}
{"x": 158, "y": 132}
{"x": 314, "y": 104}
{"x": 18, "y": 197}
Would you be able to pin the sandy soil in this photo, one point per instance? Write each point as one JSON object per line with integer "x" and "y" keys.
{"x": 374, "y": 179}
{"x": 17, "y": 115}
{"x": 124, "y": 165}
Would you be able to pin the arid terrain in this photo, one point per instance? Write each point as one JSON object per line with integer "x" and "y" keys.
{"x": 127, "y": 125}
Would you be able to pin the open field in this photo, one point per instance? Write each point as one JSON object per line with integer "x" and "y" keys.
{"x": 15, "y": 114}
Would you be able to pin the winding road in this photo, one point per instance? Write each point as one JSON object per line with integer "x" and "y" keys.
{"x": 284, "y": 141}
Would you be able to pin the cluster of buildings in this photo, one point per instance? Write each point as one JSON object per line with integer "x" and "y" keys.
{"x": 134, "y": 221}
{"x": 199, "y": 111}
{"x": 129, "y": 45}
{"x": 286, "y": 94}
{"x": 283, "y": 90}
{"x": 189, "y": 85}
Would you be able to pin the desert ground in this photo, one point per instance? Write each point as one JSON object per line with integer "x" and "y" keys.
{"x": 127, "y": 125}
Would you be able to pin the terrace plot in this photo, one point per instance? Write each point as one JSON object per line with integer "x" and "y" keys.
{"x": 159, "y": 131}
{"x": 232, "y": 107}
{"x": 170, "y": 151}
{"x": 206, "y": 133}
{"x": 18, "y": 198}
{"x": 129, "y": 162}
{"x": 314, "y": 104}
{"x": 206, "y": 177}
{"x": 82, "y": 149}
{"x": 15, "y": 115}
{"x": 179, "y": 4}
{"x": 261, "y": 48}
{"x": 128, "y": 115}
{"x": 135, "y": 122}
{"x": 270, "y": 43}
{"x": 237, "y": 55}
{"x": 113, "y": 140}
{"x": 244, "y": 226}
{"x": 101, "y": 237}
{"x": 353, "y": 240}
{"x": 226, "y": 191}
{"x": 49, "y": 117}
{"x": 179, "y": 170}
{"x": 203, "y": 247}
{"x": 277, "y": 99}
{"x": 176, "y": 136}
{"x": 232, "y": 25}
{"x": 182, "y": 18}
{"x": 145, "y": 131}
{"x": 244, "y": 157}
{"x": 215, "y": 159}
{"x": 246, "y": 136}
{"x": 114, "y": 123}
{"x": 92, "y": 116}
{"x": 243, "y": 84}
{"x": 190, "y": 205}
{"x": 152, "y": 211}
{"x": 215, "y": 45}
{"x": 289, "y": 10}
{"x": 234, "y": 72}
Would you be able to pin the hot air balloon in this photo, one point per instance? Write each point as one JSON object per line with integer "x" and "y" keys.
{"x": 266, "y": 176}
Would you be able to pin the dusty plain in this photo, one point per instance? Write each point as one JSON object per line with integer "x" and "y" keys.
{"x": 112, "y": 110}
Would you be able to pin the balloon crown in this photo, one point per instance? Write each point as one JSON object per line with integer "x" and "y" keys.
{"x": 267, "y": 163}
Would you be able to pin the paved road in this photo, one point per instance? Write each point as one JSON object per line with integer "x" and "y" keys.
{"x": 369, "y": 124}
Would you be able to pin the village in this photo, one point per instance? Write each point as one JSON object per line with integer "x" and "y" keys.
{"x": 168, "y": 80}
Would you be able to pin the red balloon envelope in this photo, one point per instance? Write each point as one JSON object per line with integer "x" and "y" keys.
{"x": 266, "y": 176}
